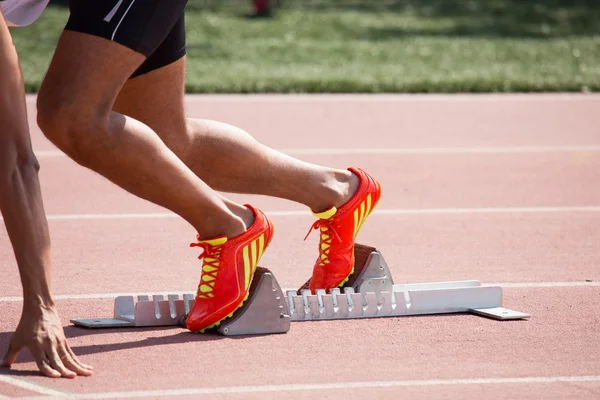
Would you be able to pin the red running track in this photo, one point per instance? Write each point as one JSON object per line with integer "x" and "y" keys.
{"x": 503, "y": 189}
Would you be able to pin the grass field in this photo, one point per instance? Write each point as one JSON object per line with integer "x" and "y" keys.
{"x": 374, "y": 46}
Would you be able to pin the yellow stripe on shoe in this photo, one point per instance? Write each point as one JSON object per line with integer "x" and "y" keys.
{"x": 247, "y": 265}
{"x": 215, "y": 242}
{"x": 326, "y": 214}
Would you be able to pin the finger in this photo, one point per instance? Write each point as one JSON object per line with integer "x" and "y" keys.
{"x": 47, "y": 370}
{"x": 42, "y": 362}
{"x": 57, "y": 364}
{"x": 11, "y": 354}
{"x": 76, "y": 359}
{"x": 72, "y": 364}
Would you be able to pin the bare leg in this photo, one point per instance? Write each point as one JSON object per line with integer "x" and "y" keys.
{"x": 227, "y": 158}
{"x": 75, "y": 112}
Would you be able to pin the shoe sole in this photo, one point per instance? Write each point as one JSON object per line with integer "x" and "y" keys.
{"x": 347, "y": 278}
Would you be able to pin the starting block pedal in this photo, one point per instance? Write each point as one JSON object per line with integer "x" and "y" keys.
{"x": 370, "y": 293}
{"x": 266, "y": 305}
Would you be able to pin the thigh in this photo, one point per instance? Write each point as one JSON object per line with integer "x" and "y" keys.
{"x": 103, "y": 44}
{"x": 157, "y": 99}
{"x": 155, "y": 93}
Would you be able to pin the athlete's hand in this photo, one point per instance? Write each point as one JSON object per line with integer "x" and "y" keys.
{"x": 41, "y": 332}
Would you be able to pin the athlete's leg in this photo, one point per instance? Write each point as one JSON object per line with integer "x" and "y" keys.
{"x": 227, "y": 158}
{"x": 74, "y": 111}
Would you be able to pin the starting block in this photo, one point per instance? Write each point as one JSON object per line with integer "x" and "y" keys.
{"x": 370, "y": 293}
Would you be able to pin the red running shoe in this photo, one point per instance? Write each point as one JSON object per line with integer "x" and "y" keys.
{"x": 339, "y": 228}
{"x": 227, "y": 272}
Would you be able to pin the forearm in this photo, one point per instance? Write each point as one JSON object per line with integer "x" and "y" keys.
{"x": 23, "y": 213}
{"x": 20, "y": 193}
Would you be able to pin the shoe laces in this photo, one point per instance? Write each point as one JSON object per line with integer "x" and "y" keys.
{"x": 211, "y": 257}
{"x": 327, "y": 230}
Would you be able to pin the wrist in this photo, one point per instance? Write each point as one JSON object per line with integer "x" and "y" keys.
{"x": 38, "y": 306}
{"x": 38, "y": 297}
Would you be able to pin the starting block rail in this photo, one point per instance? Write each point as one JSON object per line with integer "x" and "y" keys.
{"x": 371, "y": 293}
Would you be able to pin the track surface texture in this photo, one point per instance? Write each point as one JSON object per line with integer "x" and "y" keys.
{"x": 504, "y": 189}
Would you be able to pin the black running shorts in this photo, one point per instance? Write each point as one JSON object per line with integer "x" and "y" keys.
{"x": 155, "y": 28}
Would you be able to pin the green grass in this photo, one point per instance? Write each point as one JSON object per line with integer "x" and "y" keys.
{"x": 374, "y": 46}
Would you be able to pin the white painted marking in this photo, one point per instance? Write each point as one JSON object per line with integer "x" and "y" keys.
{"x": 34, "y": 387}
{"x": 71, "y": 217}
{"x": 546, "y": 284}
{"x": 440, "y": 150}
{"x": 410, "y": 151}
{"x": 49, "y": 153}
{"x": 99, "y": 296}
{"x": 384, "y": 97}
{"x": 391, "y": 97}
{"x": 522, "y": 285}
{"x": 301, "y": 213}
{"x": 94, "y": 296}
{"x": 486, "y": 210}
{"x": 326, "y": 386}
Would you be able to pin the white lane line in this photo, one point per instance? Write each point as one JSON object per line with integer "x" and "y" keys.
{"x": 94, "y": 296}
{"x": 300, "y": 213}
{"x": 34, "y": 387}
{"x": 70, "y": 217}
{"x": 546, "y": 284}
{"x": 442, "y": 150}
{"x": 99, "y": 296}
{"x": 410, "y": 151}
{"x": 49, "y": 153}
{"x": 386, "y": 97}
{"x": 486, "y": 210}
{"x": 326, "y": 386}
{"x": 378, "y": 97}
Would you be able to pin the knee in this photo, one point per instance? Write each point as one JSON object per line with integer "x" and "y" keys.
{"x": 58, "y": 121}
{"x": 68, "y": 125}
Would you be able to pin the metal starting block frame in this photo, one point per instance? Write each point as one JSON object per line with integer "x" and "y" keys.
{"x": 370, "y": 293}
